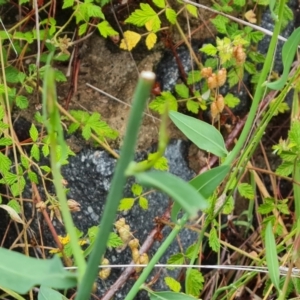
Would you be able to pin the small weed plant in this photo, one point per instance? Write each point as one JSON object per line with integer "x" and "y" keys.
{"x": 275, "y": 246}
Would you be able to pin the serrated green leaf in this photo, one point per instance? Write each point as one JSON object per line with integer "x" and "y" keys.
{"x": 45, "y": 150}
{"x": 143, "y": 203}
{"x": 33, "y": 132}
{"x": 33, "y": 177}
{"x": 137, "y": 189}
{"x": 46, "y": 169}
{"x": 231, "y": 101}
{"x": 265, "y": 208}
{"x": 209, "y": 49}
{"x": 161, "y": 164}
{"x": 285, "y": 169}
{"x": 189, "y": 253}
{"x": 271, "y": 256}
{"x": 59, "y": 76}
{"x": 192, "y": 106}
{"x": 114, "y": 241}
{"x": 106, "y": 30}
{"x": 194, "y": 282}
{"x": 193, "y": 77}
{"x": 9, "y": 178}
{"x": 160, "y": 3}
{"x": 21, "y": 102}
{"x": 35, "y": 152}
{"x": 220, "y": 23}
{"x": 24, "y": 162}
{"x": 126, "y": 204}
{"x": 288, "y": 53}
{"x": 232, "y": 78}
{"x": 141, "y": 17}
{"x": 250, "y": 67}
{"x": 171, "y": 15}
{"x": 239, "y": 2}
{"x": 15, "y": 205}
{"x": 182, "y": 90}
{"x": 82, "y": 29}
{"x": 68, "y": 3}
{"x": 5, "y": 141}
{"x": 205, "y": 136}
{"x": 159, "y": 103}
{"x": 175, "y": 259}
{"x": 192, "y": 10}
{"x": 5, "y": 162}
{"x": 246, "y": 190}
{"x": 176, "y": 188}
{"x": 173, "y": 284}
{"x": 213, "y": 240}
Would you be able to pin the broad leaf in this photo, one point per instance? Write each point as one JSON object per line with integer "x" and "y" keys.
{"x": 21, "y": 273}
{"x": 182, "y": 192}
{"x": 204, "y": 135}
{"x": 207, "y": 182}
{"x": 46, "y": 293}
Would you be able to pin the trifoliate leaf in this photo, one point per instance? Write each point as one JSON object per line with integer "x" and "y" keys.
{"x": 137, "y": 189}
{"x": 145, "y": 15}
{"x": 246, "y": 190}
{"x": 182, "y": 90}
{"x": 160, "y": 3}
{"x": 194, "y": 283}
{"x": 213, "y": 240}
{"x": 151, "y": 40}
{"x": 33, "y": 132}
{"x": 130, "y": 40}
{"x": 106, "y": 30}
{"x": 143, "y": 203}
{"x": 283, "y": 207}
{"x": 192, "y": 10}
{"x": 158, "y": 104}
{"x": 265, "y": 208}
{"x": 126, "y": 204}
{"x": 171, "y": 15}
{"x": 192, "y": 106}
{"x": 209, "y": 49}
{"x": 173, "y": 284}
{"x": 193, "y": 77}
{"x": 175, "y": 259}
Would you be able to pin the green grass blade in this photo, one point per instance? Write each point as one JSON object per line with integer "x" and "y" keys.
{"x": 271, "y": 256}
{"x": 140, "y": 98}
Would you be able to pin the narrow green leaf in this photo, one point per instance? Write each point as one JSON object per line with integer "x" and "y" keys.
{"x": 17, "y": 275}
{"x": 271, "y": 256}
{"x": 288, "y": 54}
{"x": 182, "y": 192}
{"x": 170, "y": 296}
{"x": 206, "y": 183}
{"x": 203, "y": 135}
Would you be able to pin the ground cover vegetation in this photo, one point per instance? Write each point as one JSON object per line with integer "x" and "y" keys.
{"x": 273, "y": 233}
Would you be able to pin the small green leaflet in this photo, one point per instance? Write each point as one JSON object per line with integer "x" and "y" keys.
{"x": 231, "y": 101}
{"x": 209, "y": 49}
{"x": 194, "y": 282}
{"x": 106, "y": 30}
{"x": 21, "y": 101}
{"x": 126, "y": 204}
{"x": 214, "y": 242}
{"x": 246, "y": 190}
{"x": 171, "y": 15}
{"x": 288, "y": 55}
{"x": 175, "y": 259}
{"x": 203, "y": 135}
{"x": 158, "y": 104}
{"x": 33, "y": 132}
{"x": 173, "y": 284}
{"x": 182, "y": 90}
{"x": 143, "y": 203}
{"x": 160, "y": 3}
{"x": 192, "y": 10}
{"x": 192, "y": 106}
{"x": 136, "y": 189}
